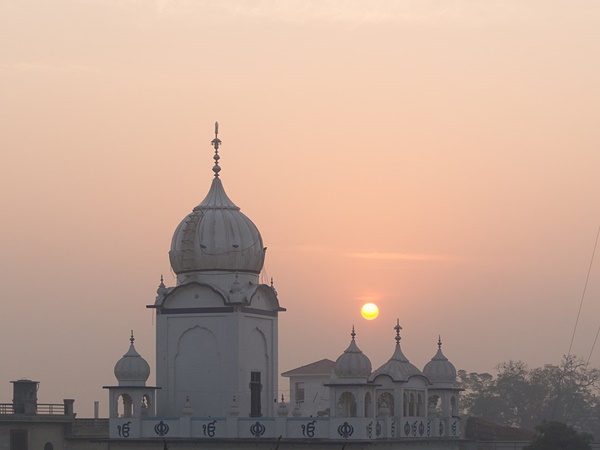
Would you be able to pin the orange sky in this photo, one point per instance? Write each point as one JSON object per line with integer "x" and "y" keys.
{"x": 439, "y": 158}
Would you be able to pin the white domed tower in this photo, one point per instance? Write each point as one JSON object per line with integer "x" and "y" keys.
{"x": 350, "y": 393}
{"x": 131, "y": 398}
{"x": 443, "y": 398}
{"x": 216, "y": 329}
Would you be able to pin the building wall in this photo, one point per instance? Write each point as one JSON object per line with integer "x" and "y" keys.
{"x": 38, "y": 434}
{"x": 316, "y": 395}
{"x": 296, "y": 444}
{"x": 206, "y": 354}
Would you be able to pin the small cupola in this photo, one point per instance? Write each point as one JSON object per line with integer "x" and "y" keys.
{"x": 353, "y": 363}
{"x": 132, "y": 369}
{"x": 439, "y": 370}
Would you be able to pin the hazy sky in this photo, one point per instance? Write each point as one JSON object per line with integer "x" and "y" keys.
{"x": 440, "y": 158}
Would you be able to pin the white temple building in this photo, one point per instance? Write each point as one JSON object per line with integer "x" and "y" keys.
{"x": 217, "y": 364}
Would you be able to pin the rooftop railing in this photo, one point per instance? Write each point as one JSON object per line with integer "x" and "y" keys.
{"x": 6, "y": 408}
{"x": 44, "y": 409}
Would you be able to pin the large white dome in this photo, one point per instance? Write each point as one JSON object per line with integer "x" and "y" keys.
{"x": 216, "y": 235}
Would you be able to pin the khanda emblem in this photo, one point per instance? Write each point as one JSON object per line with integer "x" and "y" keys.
{"x": 345, "y": 430}
{"x": 161, "y": 428}
{"x": 257, "y": 430}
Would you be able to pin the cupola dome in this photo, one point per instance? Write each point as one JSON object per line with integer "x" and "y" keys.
{"x": 353, "y": 363}
{"x": 439, "y": 370}
{"x": 132, "y": 369}
{"x": 398, "y": 368}
{"x": 216, "y": 235}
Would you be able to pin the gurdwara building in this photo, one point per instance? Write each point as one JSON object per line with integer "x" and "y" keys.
{"x": 216, "y": 357}
{"x": 217, "y": 368}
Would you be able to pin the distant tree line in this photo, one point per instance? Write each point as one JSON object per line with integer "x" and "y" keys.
{"x": 522, "y": 397}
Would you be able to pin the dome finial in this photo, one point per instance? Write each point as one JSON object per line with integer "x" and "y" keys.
{"x": 398, "y": 328}
{"x": 131, "y": 339}
{"x": 216, "y": 142}
{"x": 353, "y": 334}
{"x": 440, "y": 341}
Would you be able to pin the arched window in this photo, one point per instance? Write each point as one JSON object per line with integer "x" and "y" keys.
{"x": 145, "y": 407}
{"x": 125, "y": 407}
{"x": 405, "y": 404}
{"x": 347, "y": 405}
{"x": 388, "y": 399}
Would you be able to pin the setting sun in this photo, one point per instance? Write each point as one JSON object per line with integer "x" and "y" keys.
{"x": 369, "y": 311}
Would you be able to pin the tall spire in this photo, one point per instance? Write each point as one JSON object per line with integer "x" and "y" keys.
{"x": 216, "y": 142}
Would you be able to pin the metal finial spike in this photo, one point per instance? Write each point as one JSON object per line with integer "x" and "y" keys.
{"x": 271, "y": 281}
{"x": 398, "y": 328}
{"x": 131, "y": 339}
{"x": 161, "y": 279}
{"x": 216, "y": 142}
{"x": 353, "y": 334}
{"x": 440, "y": 341}
{"x": 281, "y": 398}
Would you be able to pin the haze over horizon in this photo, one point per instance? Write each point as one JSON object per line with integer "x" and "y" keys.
{"x": 439, "y": 159}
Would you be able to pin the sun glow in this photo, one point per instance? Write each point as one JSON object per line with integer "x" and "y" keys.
{"x": 369, "y": 311}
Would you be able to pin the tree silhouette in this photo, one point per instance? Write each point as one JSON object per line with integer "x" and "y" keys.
{"x": 558, "y": 436}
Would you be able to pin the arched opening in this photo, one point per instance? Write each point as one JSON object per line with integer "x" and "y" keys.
{"x": 453, "y": 406}
{"x": 368, "y": 405}
{"x": 387, "y": 399}
{"x": 412, "y": 404}
{"x": 434, "y": 406}
{"x": 405, "y": 404}
{"x": 347, "y": 405}
{"x": 125, "y": 407}
{"x": 145, "y": 406}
